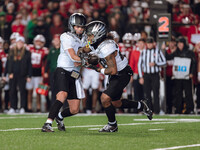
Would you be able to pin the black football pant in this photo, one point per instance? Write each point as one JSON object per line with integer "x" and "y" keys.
{"x": 152, "y": 83}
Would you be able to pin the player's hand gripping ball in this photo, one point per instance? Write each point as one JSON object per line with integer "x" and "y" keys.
{"x": 93, "y": 59}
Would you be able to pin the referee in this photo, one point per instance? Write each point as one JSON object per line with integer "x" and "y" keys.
{"x": 149, "y": 67}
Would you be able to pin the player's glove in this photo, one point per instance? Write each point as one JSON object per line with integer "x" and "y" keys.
{"x": 84, "y": 58}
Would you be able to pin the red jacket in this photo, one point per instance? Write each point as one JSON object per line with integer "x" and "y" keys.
{"x": 134, "y": 58}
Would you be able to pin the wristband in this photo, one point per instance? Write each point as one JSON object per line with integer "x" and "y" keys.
{"x": 198, "y": 73}
{"x": 103, "y": 70}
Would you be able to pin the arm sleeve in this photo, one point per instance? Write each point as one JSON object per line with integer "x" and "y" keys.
{"x": 161, "y": 61}
{"x": 131, "y": 62}
{"x": 140, "y": 65}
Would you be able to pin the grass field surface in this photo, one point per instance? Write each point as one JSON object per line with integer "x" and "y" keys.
{"x": 136, "y": 132}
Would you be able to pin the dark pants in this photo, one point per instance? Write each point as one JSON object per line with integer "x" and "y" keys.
{"x": 169, "y": 95}
{"x": 19, "y": 82}
{"x": 138, "y": 90}
{"x": 152, "y": 83}
{"x": 198, "y": 95}
{"x": 181, "y": 86}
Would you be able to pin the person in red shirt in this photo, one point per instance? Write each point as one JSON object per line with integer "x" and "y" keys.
{"x": 134, "y": 58}
{"x": 18, "y": 26}
{"x": 193, "y": 34}
{"x": 186, "y": 17}
{"x": 38, "y": 56}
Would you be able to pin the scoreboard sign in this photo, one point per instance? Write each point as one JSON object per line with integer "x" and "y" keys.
{"x": 164, "y": 27}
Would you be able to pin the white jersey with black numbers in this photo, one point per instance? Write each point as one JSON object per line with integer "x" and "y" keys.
{"x": 69, "y": 40}
{"x": 106, "y": 48}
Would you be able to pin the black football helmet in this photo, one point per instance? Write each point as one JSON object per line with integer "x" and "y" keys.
{"x": 98, "y": 29}
{"x": 76, "y": 19}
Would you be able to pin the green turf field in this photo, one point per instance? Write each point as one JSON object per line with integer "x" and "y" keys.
{"x": 23, "y": 132}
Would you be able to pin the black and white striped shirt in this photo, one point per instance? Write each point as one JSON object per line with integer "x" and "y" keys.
{"x": 150, "y": 55}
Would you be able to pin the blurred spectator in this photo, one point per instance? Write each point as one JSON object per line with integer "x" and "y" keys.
{"x": 51, "y": 63}
{"x": 183, "y": 70}
{"x": 30, "y": 27}
{"x": 18, "y": 25}
{"x": 134, "y": 58}
{"x": 3, "y": 57}
{"x": 13, "y": 38}
{"x": 25, "y": 16}
{"x": 124, "y": 10}
{"x": 169, "y": 81}
{"x": 5, "y": 27}
{"x": 95, "y": 15}
{"x": 87, "y": 11}
{"x": 57, "y": 27}
{"x": 186, "y": 17}
{"x": 38, "y": 57}
{"x": 62, "y": 10}
{"x": 20, "y": 72}
{"x": 102, "y": 6}
{"x": 197, "y": 8}
{"x": 112, "y": 5}
{"x": 144, "y": 35}
{"x": 193, "y": 34}
{"x": 42, "y": 29}
{"x": 10, "y": 12}
{"x": 150, "y": 63}
{"x": 114, "y": 25}
{"x": 145, "y": 11}
{"x": 132, "y": 25}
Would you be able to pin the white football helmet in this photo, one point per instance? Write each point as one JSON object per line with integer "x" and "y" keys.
{"x": 41, "y": 40}
{"x": 115, "y": 35}
{"x": 127, "y": 39}
{"x": 14, "y": 35}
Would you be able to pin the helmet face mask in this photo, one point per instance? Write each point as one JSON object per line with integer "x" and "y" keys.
{"x": 98, "y": 30}
{"x": 76, "y": 19}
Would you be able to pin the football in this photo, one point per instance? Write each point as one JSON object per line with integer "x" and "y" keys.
{"x": 93, "y": 59}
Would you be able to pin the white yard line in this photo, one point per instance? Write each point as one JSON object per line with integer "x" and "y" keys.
{"x": 164, "y": 119}
{"x": 88, "y": 126}
{"x": 178, "y": 147}
{"x": 156, "y": 129}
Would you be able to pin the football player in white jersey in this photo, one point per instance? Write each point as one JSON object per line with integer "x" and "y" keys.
{"x": 114, "y": 64}
{"x": 67, "y": 81}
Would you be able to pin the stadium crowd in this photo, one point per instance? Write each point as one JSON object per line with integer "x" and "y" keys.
{"x": 30, "y": 44}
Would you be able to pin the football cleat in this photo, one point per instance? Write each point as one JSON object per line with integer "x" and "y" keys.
{"x": 146, "y": 110}
{"x": 47, "y": 127}
{"x": 109, "y": 128}
{"x": 60, "y": 124}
